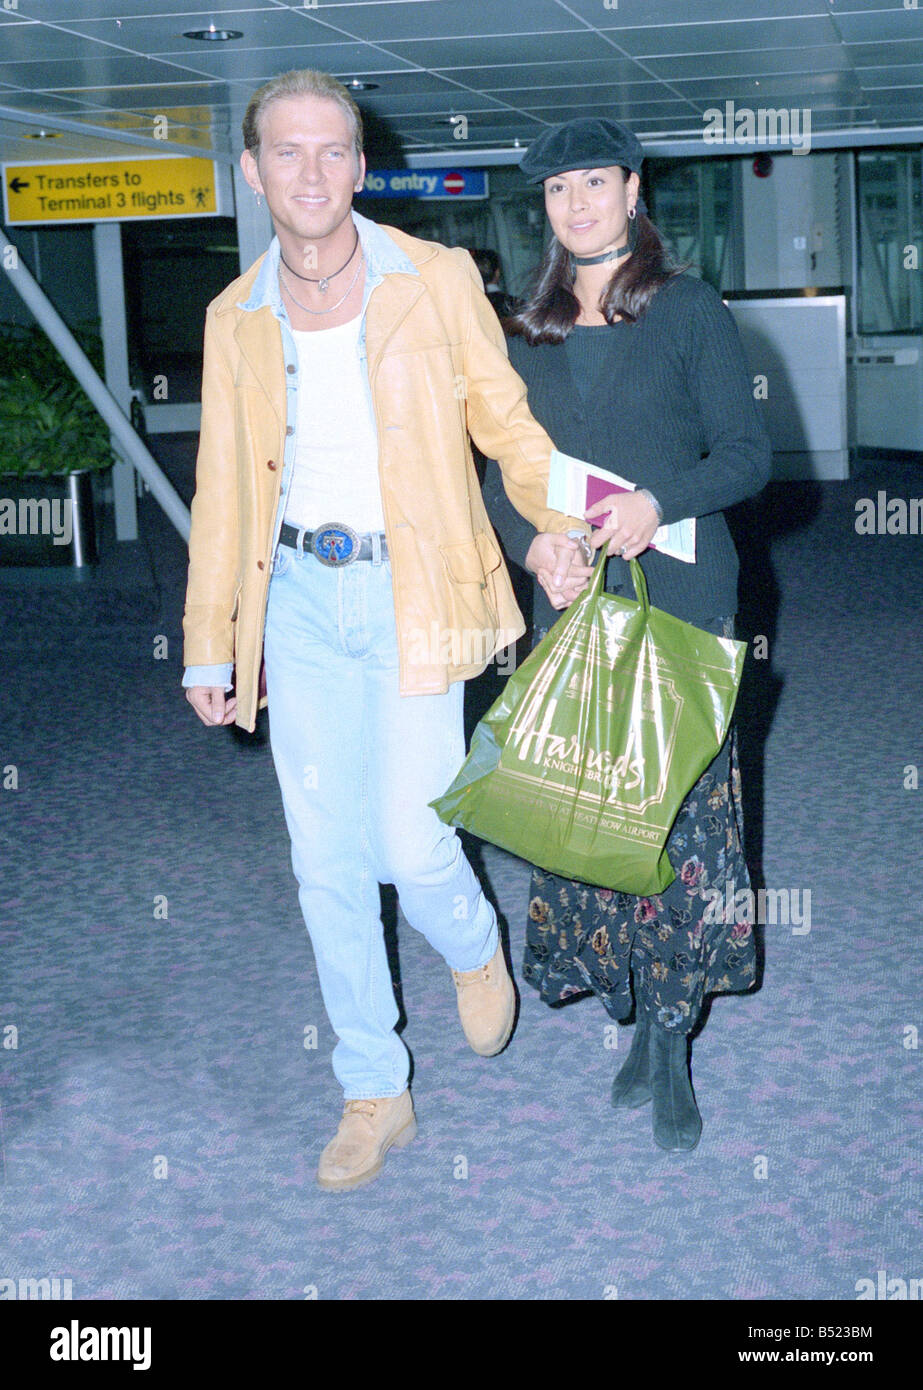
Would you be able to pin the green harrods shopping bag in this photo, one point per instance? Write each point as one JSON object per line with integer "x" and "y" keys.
{"x": 582, "y": 764}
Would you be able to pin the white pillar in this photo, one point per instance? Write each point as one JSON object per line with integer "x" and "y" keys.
{"x": 110, "y": 293}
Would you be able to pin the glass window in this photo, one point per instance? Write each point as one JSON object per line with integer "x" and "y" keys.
{"x": 690, "y": 202}
{"x": 890, "y": 242}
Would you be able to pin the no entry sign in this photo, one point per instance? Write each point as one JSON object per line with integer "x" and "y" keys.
{"x": 426, "y": 183}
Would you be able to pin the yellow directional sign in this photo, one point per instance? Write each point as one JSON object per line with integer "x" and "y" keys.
{"x": 110, "y": 190}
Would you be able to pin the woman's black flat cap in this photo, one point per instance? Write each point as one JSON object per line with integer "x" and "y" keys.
{"x": 590, "y": 142}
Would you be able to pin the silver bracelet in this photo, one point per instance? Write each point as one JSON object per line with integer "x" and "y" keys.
{"x": 646, "y": 492}
{"x": 586, "y": 549}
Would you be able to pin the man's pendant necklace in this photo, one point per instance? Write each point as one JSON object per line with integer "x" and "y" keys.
{"x": 324, "y": 281}
{"x": 317, "y": 312}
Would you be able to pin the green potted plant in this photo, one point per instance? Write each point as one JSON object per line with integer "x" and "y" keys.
{"x": 52, "y": 441}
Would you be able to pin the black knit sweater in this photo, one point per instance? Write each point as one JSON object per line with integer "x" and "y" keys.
{"x": 666, "y": 402}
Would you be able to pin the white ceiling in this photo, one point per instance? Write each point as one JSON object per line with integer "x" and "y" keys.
{"x": 510, "y": 68}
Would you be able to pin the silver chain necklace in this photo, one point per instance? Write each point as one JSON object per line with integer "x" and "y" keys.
{"x": 318, "y": 312}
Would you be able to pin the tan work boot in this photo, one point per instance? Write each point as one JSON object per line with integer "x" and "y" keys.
{"x": 486, "y": 1004}
{"x": 368, "y": 1129}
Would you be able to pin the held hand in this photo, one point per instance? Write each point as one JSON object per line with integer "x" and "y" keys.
{"x": 630, "y": 527}
{"x": 212, "y": 705}
{"x": 558, "y": 564}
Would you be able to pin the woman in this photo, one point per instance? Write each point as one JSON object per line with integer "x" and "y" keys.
{"x": 635, "y": 366}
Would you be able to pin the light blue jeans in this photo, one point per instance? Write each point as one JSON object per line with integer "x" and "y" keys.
{"x": 357, "y": 764}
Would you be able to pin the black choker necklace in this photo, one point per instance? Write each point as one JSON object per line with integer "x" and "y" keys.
{"x": 324, "y": 280}
{"x": 598, "y": 260}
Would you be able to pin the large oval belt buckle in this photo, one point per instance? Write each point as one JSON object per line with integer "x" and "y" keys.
{"x": 334, "y": 544}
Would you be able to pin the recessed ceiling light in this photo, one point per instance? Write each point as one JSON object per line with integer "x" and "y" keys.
{"x": 43, "y": 135}
{"x": 213, "y": 35}
{"x": 354, "y": 84}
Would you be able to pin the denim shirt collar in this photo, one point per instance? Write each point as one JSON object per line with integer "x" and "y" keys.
{"x": 382, "y": 256}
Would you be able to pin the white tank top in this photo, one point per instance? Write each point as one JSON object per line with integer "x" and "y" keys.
{"x": 335, "y": 477}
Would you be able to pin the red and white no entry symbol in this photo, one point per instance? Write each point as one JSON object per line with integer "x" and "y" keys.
{"x": 454, "y": 183}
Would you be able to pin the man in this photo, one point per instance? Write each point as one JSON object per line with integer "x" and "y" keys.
{"x": 339, "y": 533}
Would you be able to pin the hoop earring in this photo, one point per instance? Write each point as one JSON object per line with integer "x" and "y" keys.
{"x": 631, "y": 214}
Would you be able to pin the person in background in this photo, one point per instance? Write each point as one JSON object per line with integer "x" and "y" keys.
{"x": 488, "y": 264}
{"x": 637, "y": 367}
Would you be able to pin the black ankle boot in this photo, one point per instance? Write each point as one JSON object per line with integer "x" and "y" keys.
{"x": 631, "y": 1086}
{"x": 677, "y": 1122}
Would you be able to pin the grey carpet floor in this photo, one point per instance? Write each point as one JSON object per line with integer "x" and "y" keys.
{"x": 161, "y": 1116}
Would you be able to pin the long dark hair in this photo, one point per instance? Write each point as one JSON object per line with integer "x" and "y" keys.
{"x": 551, "y": 309}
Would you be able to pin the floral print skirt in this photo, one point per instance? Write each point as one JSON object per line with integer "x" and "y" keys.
{"x": 680, "y": 944}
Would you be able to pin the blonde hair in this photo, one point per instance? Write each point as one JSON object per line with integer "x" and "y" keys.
{"x": 300, "y": 82}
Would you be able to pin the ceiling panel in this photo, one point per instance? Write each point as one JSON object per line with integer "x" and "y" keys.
{"x": 755, "y": 64}
{"x": 900, "y": 75}
{"x": 63, "y": 11}
{"x": 412, "y": 80}
{"x": 164, "y": 33}
{"x": 116, "y": 71}
{"x": 806, "y": 88}
{"x": 447, "y": 19}
{"x": 735, "y": 37}
{"x": 900, "y": 104}
{"x": 30, "y": 43}
{"x": 259, "y": 64}
{"x": 510, "y": 48}
{"x": 434, "y": 104}
{"x": 603, "y": 93}
{"x": 883, "y": 26}
{"x": 869, "y": 55}
{"x": 570, "y": 107}
{"x": 816, "y": 110}
{"x": 159, "y": 96}
{"x": 629, "y": 14}
{"x": 513, "y": 69}
{"x": 508, "y": 76}
{"x": 38, "y": 101}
